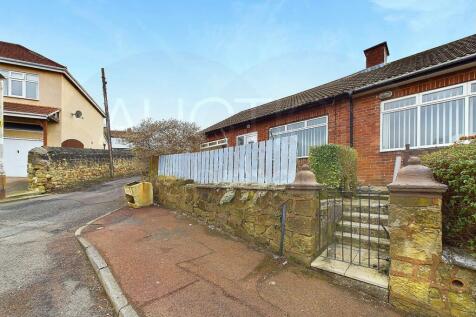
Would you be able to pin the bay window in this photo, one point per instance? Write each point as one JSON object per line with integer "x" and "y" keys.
{"x": 22, "y": 85}
{"x": 311, "y": 132}
{"x": 434, "y": 118}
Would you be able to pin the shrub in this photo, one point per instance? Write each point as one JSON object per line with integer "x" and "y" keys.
{"x": 455, "y": 166}
{"x": 334, "y": 165}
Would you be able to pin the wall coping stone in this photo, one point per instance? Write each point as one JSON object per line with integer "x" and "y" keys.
{"x": 242, "y": 186}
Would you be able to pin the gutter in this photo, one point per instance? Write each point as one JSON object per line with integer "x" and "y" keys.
{"x": 62, "y": 70}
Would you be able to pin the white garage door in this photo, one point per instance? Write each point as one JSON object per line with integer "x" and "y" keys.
{"x": 16, "y": 155}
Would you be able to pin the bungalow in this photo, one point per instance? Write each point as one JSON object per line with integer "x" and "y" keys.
{"x": 426, "y": 100}
{"x": 44, "y": 105}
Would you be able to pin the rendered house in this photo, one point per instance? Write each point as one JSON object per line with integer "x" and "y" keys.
{"x": 426, "y": 100}
{"x": 44, "y": 105}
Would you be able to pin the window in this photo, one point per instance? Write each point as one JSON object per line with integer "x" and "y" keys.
{"x": 434, "y": 118}
{"x": 214, "y": 144}
{"x": 247, "y": 138}
{"x": 311, "y": 132}
{"x": 5, "y": 82}
{"x": 20, "y": 85}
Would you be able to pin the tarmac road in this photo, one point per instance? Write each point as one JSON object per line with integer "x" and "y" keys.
{"x": 43, "y": 271}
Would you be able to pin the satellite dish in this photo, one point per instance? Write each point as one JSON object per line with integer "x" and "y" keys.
{"x": 78, "y": 114}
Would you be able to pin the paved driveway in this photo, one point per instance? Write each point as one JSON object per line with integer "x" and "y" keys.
{"x": 169, "y": 265}
{"x": 43, "y": 271}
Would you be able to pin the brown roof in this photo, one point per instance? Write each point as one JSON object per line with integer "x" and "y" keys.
{"x": 438, "y": 56}
{"x": 19, "y": 52}
{"x": 29, "y": 109}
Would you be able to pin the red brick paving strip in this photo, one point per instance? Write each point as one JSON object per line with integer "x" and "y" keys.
{"x": 168, "y": 265}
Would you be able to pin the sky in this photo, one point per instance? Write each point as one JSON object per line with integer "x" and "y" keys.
{"x": 203, "y": 61}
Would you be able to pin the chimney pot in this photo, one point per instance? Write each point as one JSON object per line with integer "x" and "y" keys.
{"x": 376, "y": 55}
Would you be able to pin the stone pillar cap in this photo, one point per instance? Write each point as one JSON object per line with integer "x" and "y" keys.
{"x": 305, "y": 180}
{"x": 416, "y": 178}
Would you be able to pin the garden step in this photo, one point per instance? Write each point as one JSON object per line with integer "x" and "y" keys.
{"x": 379, "y": 260}
{"x": 364, "y": 218}
{"x": 365, "y": 229}
{"x": 364, "y": 242}
{"x": 336, "y": 208}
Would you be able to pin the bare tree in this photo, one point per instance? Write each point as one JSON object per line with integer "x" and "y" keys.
{"x": 151, "y": 137}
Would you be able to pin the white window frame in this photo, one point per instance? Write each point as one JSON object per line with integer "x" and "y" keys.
{"x": 214, "y": 143}
{"x": 23, "y": 81}
{"x": 306, "y": 127}
{"x": 246, "y": 135}
{"x": 419, "y": 104}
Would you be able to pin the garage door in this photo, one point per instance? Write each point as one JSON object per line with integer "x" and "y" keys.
{"x": 16, "y": 155}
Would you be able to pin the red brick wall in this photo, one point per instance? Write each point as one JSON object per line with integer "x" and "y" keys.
{"x": 374, "y": 167}
{"x": 337, "y": 112}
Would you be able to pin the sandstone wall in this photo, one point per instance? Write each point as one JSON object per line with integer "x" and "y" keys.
{"x": 424, "y": 280}
{"x": 53, "y": 169}
{"x": 251, "y": 212}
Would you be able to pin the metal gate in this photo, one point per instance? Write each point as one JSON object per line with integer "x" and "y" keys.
{"x": 352, "y": 227}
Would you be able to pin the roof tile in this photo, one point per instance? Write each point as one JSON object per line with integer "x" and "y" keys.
{"x": 19, "y": 52}
{"x": 365, "y": 78}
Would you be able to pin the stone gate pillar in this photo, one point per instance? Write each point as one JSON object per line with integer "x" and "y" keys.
{"x": 301, "y": 219}
{"x": 415, "y": 236}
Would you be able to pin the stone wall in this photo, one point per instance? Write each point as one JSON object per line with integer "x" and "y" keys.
{"x": 251, "y": 212}
{"x": 53, "y": 169}
{"x": 425, "y": 280}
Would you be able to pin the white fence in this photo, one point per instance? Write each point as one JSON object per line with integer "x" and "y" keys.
{"x": 270, "y": 162}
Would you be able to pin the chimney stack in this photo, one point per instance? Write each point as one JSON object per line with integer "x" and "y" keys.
{"x": 376, "y": 55}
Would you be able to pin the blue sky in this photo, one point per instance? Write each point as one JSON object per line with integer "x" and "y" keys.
{"x": 204, "y": 60}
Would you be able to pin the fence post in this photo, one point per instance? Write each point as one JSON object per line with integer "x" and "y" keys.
{"x": 153, "y": 168}
{"x": 301, "y": 217}
{"x": 415, "y": 237}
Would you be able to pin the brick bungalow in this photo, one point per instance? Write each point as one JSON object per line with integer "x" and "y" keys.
{"x": 427, "y": 100}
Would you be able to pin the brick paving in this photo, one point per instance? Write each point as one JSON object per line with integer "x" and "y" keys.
{"x": 169, "y": 265}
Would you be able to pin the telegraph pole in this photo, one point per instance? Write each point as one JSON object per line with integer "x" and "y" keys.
{"x": 3, "y": 177}
{"x": 108, "y": 123}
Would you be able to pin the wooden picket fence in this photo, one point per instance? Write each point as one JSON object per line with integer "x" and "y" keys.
{"x": 266, "y": 162}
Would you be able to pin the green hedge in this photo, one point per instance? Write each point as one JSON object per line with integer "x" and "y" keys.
{"x": 455, "y": 166}
{"x": 334, "y": 165}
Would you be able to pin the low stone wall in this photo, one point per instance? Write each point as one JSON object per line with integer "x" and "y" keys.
{"x": 54, "y": 169}
{"x": 251, "y": 212}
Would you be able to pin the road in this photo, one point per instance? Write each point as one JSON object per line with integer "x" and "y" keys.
{"x": 43, "y": 270}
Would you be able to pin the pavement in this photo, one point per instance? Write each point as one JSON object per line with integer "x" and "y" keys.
{"x": 169, "y": 265}
{"x": 16, "y": 185}
{"x": 43, "y": 269}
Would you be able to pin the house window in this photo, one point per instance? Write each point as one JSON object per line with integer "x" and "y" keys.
{"x": 311, "y": 132}
{"x": 247, "y": 138}
{"x": 214, "y": 144}
{"x": 20, "y": 85}
{"x": 434, "y": 118}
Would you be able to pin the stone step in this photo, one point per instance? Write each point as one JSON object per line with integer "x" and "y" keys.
{"x": 360, "y": 273}
{"x": 365, "y": 242}
{"x": 365, "y": 229}
{"x": 364, "y": 207}
{"x": 378, "y": 260}
{"x": 366, "y": 218}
